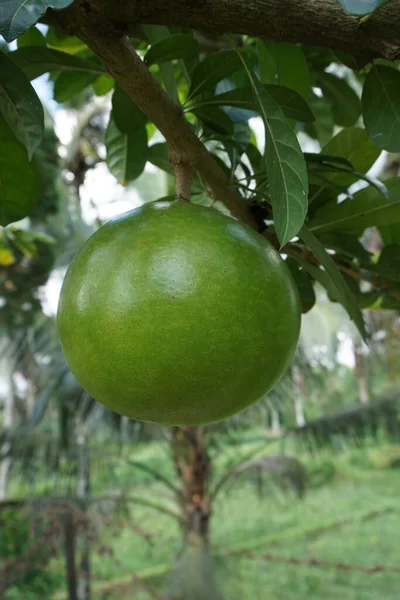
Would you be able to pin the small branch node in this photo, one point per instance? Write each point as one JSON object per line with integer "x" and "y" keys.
{"x": 183, "y": 181}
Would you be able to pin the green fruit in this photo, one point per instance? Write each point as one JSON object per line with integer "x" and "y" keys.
{"x": 177, "y": 314}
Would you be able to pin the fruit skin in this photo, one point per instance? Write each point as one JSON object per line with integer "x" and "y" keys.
{"x": 176, "y": 314}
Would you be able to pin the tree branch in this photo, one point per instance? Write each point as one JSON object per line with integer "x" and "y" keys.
{"x": 101, "y": 24}
{"x": 315, "y": 22}
{"x": 135, "y": 79}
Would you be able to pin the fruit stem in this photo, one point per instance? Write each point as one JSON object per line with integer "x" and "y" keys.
{"x": 183, "y": 181}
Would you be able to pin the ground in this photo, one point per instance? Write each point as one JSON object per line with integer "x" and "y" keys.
{"x": 353, "y": 518}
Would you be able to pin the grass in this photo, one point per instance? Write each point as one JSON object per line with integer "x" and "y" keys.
{"x": 354, "y": 518}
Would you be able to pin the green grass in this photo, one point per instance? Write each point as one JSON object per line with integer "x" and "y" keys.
{"x": 355, "y": 519}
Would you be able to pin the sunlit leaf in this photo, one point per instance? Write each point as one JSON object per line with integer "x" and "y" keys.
{"x": 103, "y": 85}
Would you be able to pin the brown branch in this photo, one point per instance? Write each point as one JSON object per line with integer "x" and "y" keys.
{"x": 315, "y": 22}
{"x": 100, "y": 25}
{"x": 132, "y": 75}
{"x": 183, "y": 180}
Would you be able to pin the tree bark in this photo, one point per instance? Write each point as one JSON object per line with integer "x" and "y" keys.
{"x": 298, "y": 386}
{"x": 361, "y": 372}
{"x": 193, "y": 466}
{"x": 315, "y": 22}
{"x": 83, "y": 491}
{"x": 185, "y": 148}
{"x": 69, "y": 549}
{"x": 8, "y": 422}
{"x": 275, "y": 422}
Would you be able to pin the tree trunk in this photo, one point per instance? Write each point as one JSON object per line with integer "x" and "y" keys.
{"x": 298, "y": 386}
{"x": 83, "y": 589}
{"x": 8, "y": 423}
{"x": 275, "y": 423}
{"x": 69, "y": 549}
{"x": 189, "y": 448}
{"x": 361, "y": 372}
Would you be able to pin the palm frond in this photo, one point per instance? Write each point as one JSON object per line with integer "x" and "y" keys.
{"x": 284, "y": 471}
{"x": 355, "y": 425}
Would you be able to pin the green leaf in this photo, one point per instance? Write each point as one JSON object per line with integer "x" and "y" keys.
{"x": 346, "y": 105}
{"x": 368, "y": 208}
{"x": 321, "y": 276}
{"x": 68, "y": 85}
{"x": 32, "y": 37}
{"x": 19, "y": 179}
{"x": 20, "y": 105}
{"x": 391, "y": 233}
{"x": 16, "y": 16}
{"x": 285, "y": 165}
{"x": 215, "y": 118}
{"x": 291, "y": 69}
{"x": 68, "y": 43}
{"x": 322, "y": 158}
{"x": 156, "y": 34}
{"x": 211, "y": 70}
{"x": 317, "y": 173}
{"x": 36, "y": 61}
{"x": 266, "y": 63}
{"x": 362, "y": 7}
{"x": 126, "y": 153}
{"x": 304, "y": 285}
{"x": 342, "y": 290}
{"x": 322, "y": 128}
{"x": 381, "y": 107}
{"x": 291, "y": 103}
{"x": 178, "y": 45}
{"x": 103, "y": 85}
{"x": 345, "y": 244}
{"x": 353, "y": 144}
{"x": 389, "y": 261}
{"x": 126, "y": 115}
{"x": 158, "y": 156}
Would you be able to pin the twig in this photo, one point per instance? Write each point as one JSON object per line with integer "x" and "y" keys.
{"x": 183, "y": 180}
{"x": 132, "y": 75}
